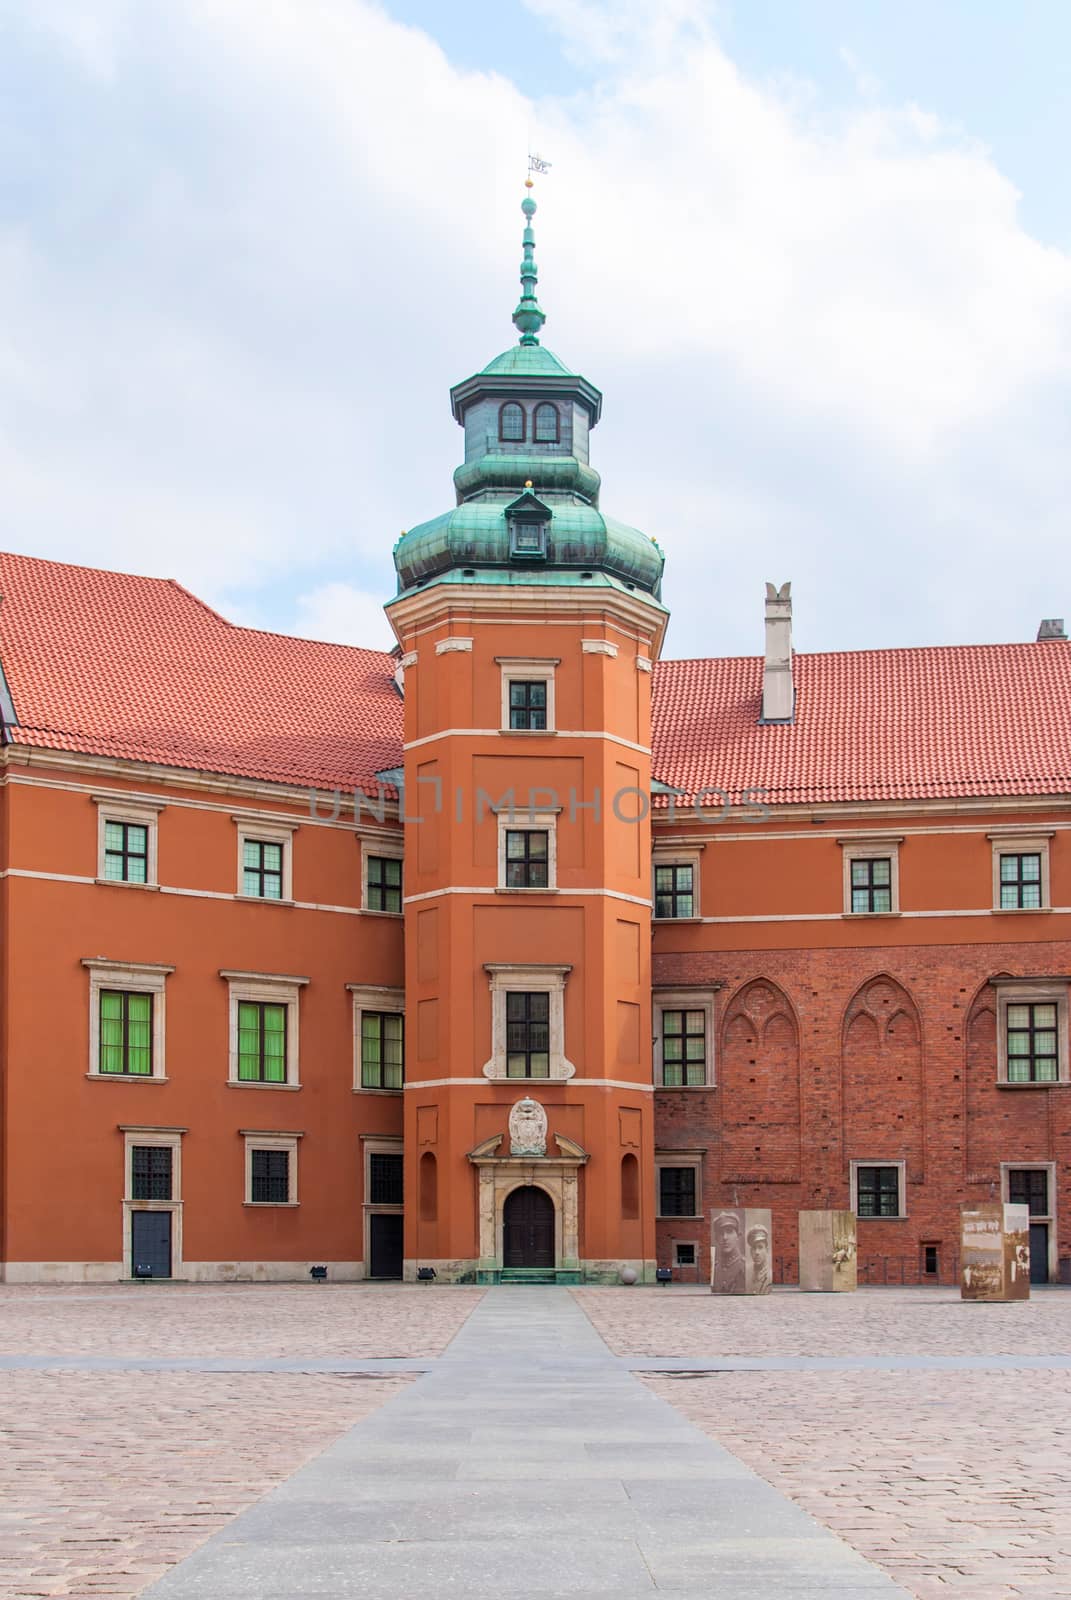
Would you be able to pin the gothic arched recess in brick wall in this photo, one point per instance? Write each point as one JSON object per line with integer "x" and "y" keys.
{"x": 883, "y": 1100}
{"x": 760, "y": 1086}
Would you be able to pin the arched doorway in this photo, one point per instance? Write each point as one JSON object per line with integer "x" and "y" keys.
{"x": 528, "y": 1228}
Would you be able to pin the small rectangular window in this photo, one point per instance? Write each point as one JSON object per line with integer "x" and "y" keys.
{"x": 527, "y": 538}
{"x": 385, "y": 1179}
{"x": 878, "y": 1191}
{"x": 270, "y": 1171}
{"x": 126, "y": 852}
{"x": 261, "y": 1042}
{"x": 1029, "y": 1186}
{"x": 685, "y": 1255}
{"x": 676, "y": 1191}
{"x": 150, "y": 1172}
{"x": 872, "y": 885}
{"x": 675, "y": 890}
{"x": 382, "y": 1049}
{"x": 384, "y": 883}
{"x": 528, "y": 704}
{"x": 125, "y": 1033}
{"x": 1031, "y": 1036}
{"x": 1020, "y": 882}
{"x": 527, "y": 858}
{"x": 528, "y": 1034}
{"x": 929, "y": 1260}
{"x": 262, "y": 869}
{"x": 684, "y": 1049}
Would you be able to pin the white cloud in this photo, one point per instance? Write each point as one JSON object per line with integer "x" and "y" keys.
{"x": 342, "y": 614}
{"x": 251, "y": 246}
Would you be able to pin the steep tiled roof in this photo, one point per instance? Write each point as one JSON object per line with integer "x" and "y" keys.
{"x": 872, "y": 725}
{"x": 104, "y": 663}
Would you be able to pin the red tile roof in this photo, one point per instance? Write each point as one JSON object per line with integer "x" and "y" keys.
{"x": 923, "y": 723}
{"x": 104, "y": 663}
{"x": 108, "y": 664}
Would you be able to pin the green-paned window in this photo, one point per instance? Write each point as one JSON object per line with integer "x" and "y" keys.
{"x": 684, "y": 1049}
{"x": 270, "y": 1175}
{"x": 872, "y": 885}
{"x": 262, "y": 869}
{"x": 261, "y": 1041}
{"x": 125, "y": 1033}
{"x": 528, "y": 1034}
{"x": 546, "y": 425}
{"x": 511, "y": 423}
{"x": 674, "y": 890}
{"x": 1032, "y": 1034}
{"x": 676, "y": 1191}
{"x": 877, "y": 1191}
{"x": 1020, "y": 882}
{"x": 527, "y": 858}
{"x": 384, "y": 883}
{"x": 126, "y": 852}
{"x": 382, "y": 1050}
{"x": 528, "y": 704}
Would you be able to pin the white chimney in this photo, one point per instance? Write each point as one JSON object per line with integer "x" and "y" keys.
{"x": 778, "y": 694}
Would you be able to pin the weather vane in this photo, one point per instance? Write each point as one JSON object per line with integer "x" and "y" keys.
{"x": 537, "y": 164}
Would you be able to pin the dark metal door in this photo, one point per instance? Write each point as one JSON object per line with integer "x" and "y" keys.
{"x": 1039, "y": 1252}
{"x": 528, "y": 1228}
{"x": 150, "y": 1244}
{"x": 385, "y": 1245}
{"x": 1029, "y": 1186}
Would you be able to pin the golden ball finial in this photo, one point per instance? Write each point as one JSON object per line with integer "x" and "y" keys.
{"x": 527, "y": 483}
{"x": 528, "y": 184}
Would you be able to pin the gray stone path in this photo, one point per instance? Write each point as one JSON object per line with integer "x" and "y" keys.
{"x": 525, "y": 1464}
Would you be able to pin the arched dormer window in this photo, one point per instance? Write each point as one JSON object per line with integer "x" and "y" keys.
{"x": 511, "y": 423}
{"x": 547, "y": 427}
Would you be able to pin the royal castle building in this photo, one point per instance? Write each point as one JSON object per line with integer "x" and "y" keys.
{"x": 518, "y": 951}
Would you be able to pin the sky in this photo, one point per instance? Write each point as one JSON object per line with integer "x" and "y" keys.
{"x": 816, "y": 254}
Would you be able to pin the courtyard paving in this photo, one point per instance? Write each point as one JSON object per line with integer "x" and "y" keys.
{"x": 389, "y": 1441}
{"x": 952, "y": 1473}
{"x": 109, "y": 1477}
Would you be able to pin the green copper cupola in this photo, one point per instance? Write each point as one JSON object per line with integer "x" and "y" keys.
{"x": 527, "y": 494}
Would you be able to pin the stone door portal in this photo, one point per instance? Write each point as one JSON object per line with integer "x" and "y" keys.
{"x": 528, "y": 1228}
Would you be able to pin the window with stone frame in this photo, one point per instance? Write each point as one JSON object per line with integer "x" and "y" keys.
{"x": 684, "y": 1048}
{"x": 126, "y": 851}
{"x": 1020, "y": 881}
{"x": 382, "y": 1049}
{"x": 877, "y": 1191}
{"x": 674, "y": 886}
{"x": 270, "y": 1177}
{"x": 872, "y": 885}
{"x": 677, "y": 1190}
{"x": 126, "y": 1033}
{"x": 527, "y": 858}
{"x": 527, "y": 1034}
{"x": 384, "y": 884}
{"x": 1032, "y": 1037}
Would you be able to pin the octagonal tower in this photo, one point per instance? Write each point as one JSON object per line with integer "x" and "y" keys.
{"x": 528, "y": 622}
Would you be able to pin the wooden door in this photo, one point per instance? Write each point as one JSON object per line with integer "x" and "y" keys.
{"x": 528, "y": 1228}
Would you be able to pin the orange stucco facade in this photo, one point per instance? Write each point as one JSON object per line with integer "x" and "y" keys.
{"x": 518, "y": 951}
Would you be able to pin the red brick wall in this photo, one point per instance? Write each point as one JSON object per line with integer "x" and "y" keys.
{"x": 896, "y": 1060}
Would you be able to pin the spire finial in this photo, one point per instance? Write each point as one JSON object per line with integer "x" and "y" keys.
{"x": 529, "y": 316}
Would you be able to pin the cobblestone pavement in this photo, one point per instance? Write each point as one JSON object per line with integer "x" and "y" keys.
{"x": 109, "y": 1479}
{"x": 872, "y": 1322}
{"x": 353, "y": 1320}
{"x": 956, "y": 1483}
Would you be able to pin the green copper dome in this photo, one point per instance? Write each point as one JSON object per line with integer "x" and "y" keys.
{"x": 527, "y": 495}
